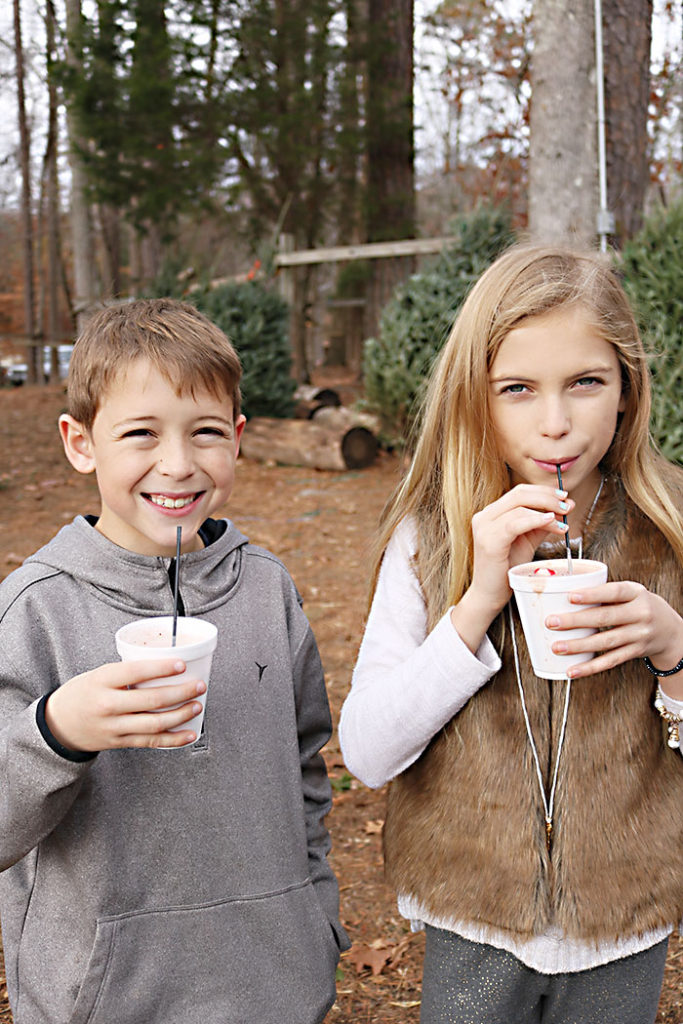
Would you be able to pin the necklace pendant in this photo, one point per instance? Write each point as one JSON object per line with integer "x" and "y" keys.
{"x": 548, "y": 833}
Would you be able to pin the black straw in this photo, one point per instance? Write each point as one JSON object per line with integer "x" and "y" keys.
{"x": 179, "y": 533}
{"x": 570, "y": 568}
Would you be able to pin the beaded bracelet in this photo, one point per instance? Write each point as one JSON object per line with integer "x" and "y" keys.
{"x": 661, "y": 671}
{"x": 672, "y": 720}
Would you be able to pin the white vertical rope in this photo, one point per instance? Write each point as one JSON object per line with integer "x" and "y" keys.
{"x": 548, "y": 801}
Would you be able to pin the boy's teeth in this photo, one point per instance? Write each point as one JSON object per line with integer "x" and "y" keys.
{"x": 160, "y": 499}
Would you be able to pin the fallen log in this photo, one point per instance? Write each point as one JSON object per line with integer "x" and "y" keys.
{"x": 338, "y": 417}
{"x": 309, "y": 399}
{"x": 306, "y": 443}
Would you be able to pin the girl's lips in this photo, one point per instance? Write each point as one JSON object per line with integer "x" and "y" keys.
{"x": 551, "y": 467}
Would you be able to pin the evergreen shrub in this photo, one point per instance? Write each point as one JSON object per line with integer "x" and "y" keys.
{"x": 417, "y": 319}
{"x": 652, "y": 267}
{"x": 257, "y": 322}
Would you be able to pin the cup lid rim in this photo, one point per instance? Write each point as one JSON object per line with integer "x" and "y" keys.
{"x": 209, "y": 628}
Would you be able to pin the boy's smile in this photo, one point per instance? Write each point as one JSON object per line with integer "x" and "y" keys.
{"x": 162, "y": 460}
{"x": 555, "y": 393}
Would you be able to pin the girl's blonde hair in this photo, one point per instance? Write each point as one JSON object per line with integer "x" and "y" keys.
{"x": 456, "y": 469}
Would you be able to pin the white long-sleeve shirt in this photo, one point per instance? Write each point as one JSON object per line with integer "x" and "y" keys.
{"x": 406, "y": 686}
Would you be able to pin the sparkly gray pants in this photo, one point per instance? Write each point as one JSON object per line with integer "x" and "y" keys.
{"x": 471, "y": 983}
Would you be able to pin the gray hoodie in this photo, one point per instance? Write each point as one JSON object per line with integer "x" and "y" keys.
{"x": 186, "y": 886}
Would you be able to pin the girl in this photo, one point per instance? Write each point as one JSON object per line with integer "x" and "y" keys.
{"x": 543, "y": 368}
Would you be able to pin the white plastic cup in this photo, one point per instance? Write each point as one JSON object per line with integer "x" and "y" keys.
{"x": 146, "y": 639}
{"x": 541, "y": 589}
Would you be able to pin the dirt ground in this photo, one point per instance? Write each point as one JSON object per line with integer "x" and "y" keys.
{"x": 320, "y": 524}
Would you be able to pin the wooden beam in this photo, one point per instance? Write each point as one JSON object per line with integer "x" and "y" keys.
{"x": 370, "y": 251}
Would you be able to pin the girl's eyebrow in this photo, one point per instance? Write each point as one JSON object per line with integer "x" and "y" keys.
{"x": 516, "y": 376}
{"x": 588, "y": 372}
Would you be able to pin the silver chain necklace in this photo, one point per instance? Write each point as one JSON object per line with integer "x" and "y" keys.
{"x": 591, "y": 510}
{"x": 549, "y": 800}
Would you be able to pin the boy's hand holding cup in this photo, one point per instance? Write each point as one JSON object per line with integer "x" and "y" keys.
{"x": 103, "y": 710}
{"x": 152, "y": 638}
{"x": 154, "y": 697}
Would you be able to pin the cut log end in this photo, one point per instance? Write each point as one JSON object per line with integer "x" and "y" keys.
{"x": 359, "y": 448}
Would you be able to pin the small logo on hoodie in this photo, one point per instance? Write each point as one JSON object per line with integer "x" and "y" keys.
{"x": 261, "y": 670}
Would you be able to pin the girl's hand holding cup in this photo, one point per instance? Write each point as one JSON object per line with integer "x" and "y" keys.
{"x": 632, "y": 623}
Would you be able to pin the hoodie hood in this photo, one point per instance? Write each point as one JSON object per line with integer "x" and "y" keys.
{"x": 141, "y": 584}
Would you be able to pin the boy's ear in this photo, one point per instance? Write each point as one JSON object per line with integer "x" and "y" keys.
{"x": 77, "y": 444}
{"x": 239, "y": 427}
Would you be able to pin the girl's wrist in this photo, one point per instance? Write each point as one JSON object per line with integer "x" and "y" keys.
{"x": 471, "y": 618}
{"x": 667, "y": 663}
{"x": 669, "y": 672}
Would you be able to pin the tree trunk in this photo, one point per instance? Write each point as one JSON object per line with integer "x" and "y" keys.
{"x": 389, "y": 121}
{"x": 563, "y": 180}
{"x": 81, "y": 228}
{"x": 390, "y": 145}
{"x": 32, "y": 359}
{"x": 53, "y": 262}
{"x": 134, "y": 260}
{"x": 110, "y": 230}
{"x": 627, "y": 35}
{"x": 349, "y": 221}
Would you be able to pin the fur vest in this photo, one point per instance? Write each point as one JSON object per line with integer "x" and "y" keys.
{"x": 465, "y": 829}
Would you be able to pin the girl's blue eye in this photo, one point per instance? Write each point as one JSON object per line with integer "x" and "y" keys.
{"x": 514, "y": 389}
{"x": 588, "y": 381}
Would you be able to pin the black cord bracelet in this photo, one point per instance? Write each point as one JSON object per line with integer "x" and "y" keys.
{"x": 663, "y": 672}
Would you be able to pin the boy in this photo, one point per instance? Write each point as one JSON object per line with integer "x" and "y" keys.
{"x": 139, "y": 885}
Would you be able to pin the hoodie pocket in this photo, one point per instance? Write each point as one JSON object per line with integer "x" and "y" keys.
{"x": 265, "y": 959}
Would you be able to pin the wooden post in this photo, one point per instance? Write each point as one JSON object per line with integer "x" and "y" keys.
{"x": 286, "y": 287}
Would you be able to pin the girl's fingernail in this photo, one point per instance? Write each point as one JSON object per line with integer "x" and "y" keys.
{"x": 179, "y": 666}
{"x": 564, "y": 506}
{"x": 196, "y": 708}
{"x": 561, "y": 494}
{"x": 552, "y": 621}
{"x": 560, "y": 648}
{"x": 563, "y": 526}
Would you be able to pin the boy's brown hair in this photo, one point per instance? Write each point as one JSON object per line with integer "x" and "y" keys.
{"x": 185, "y": 347}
